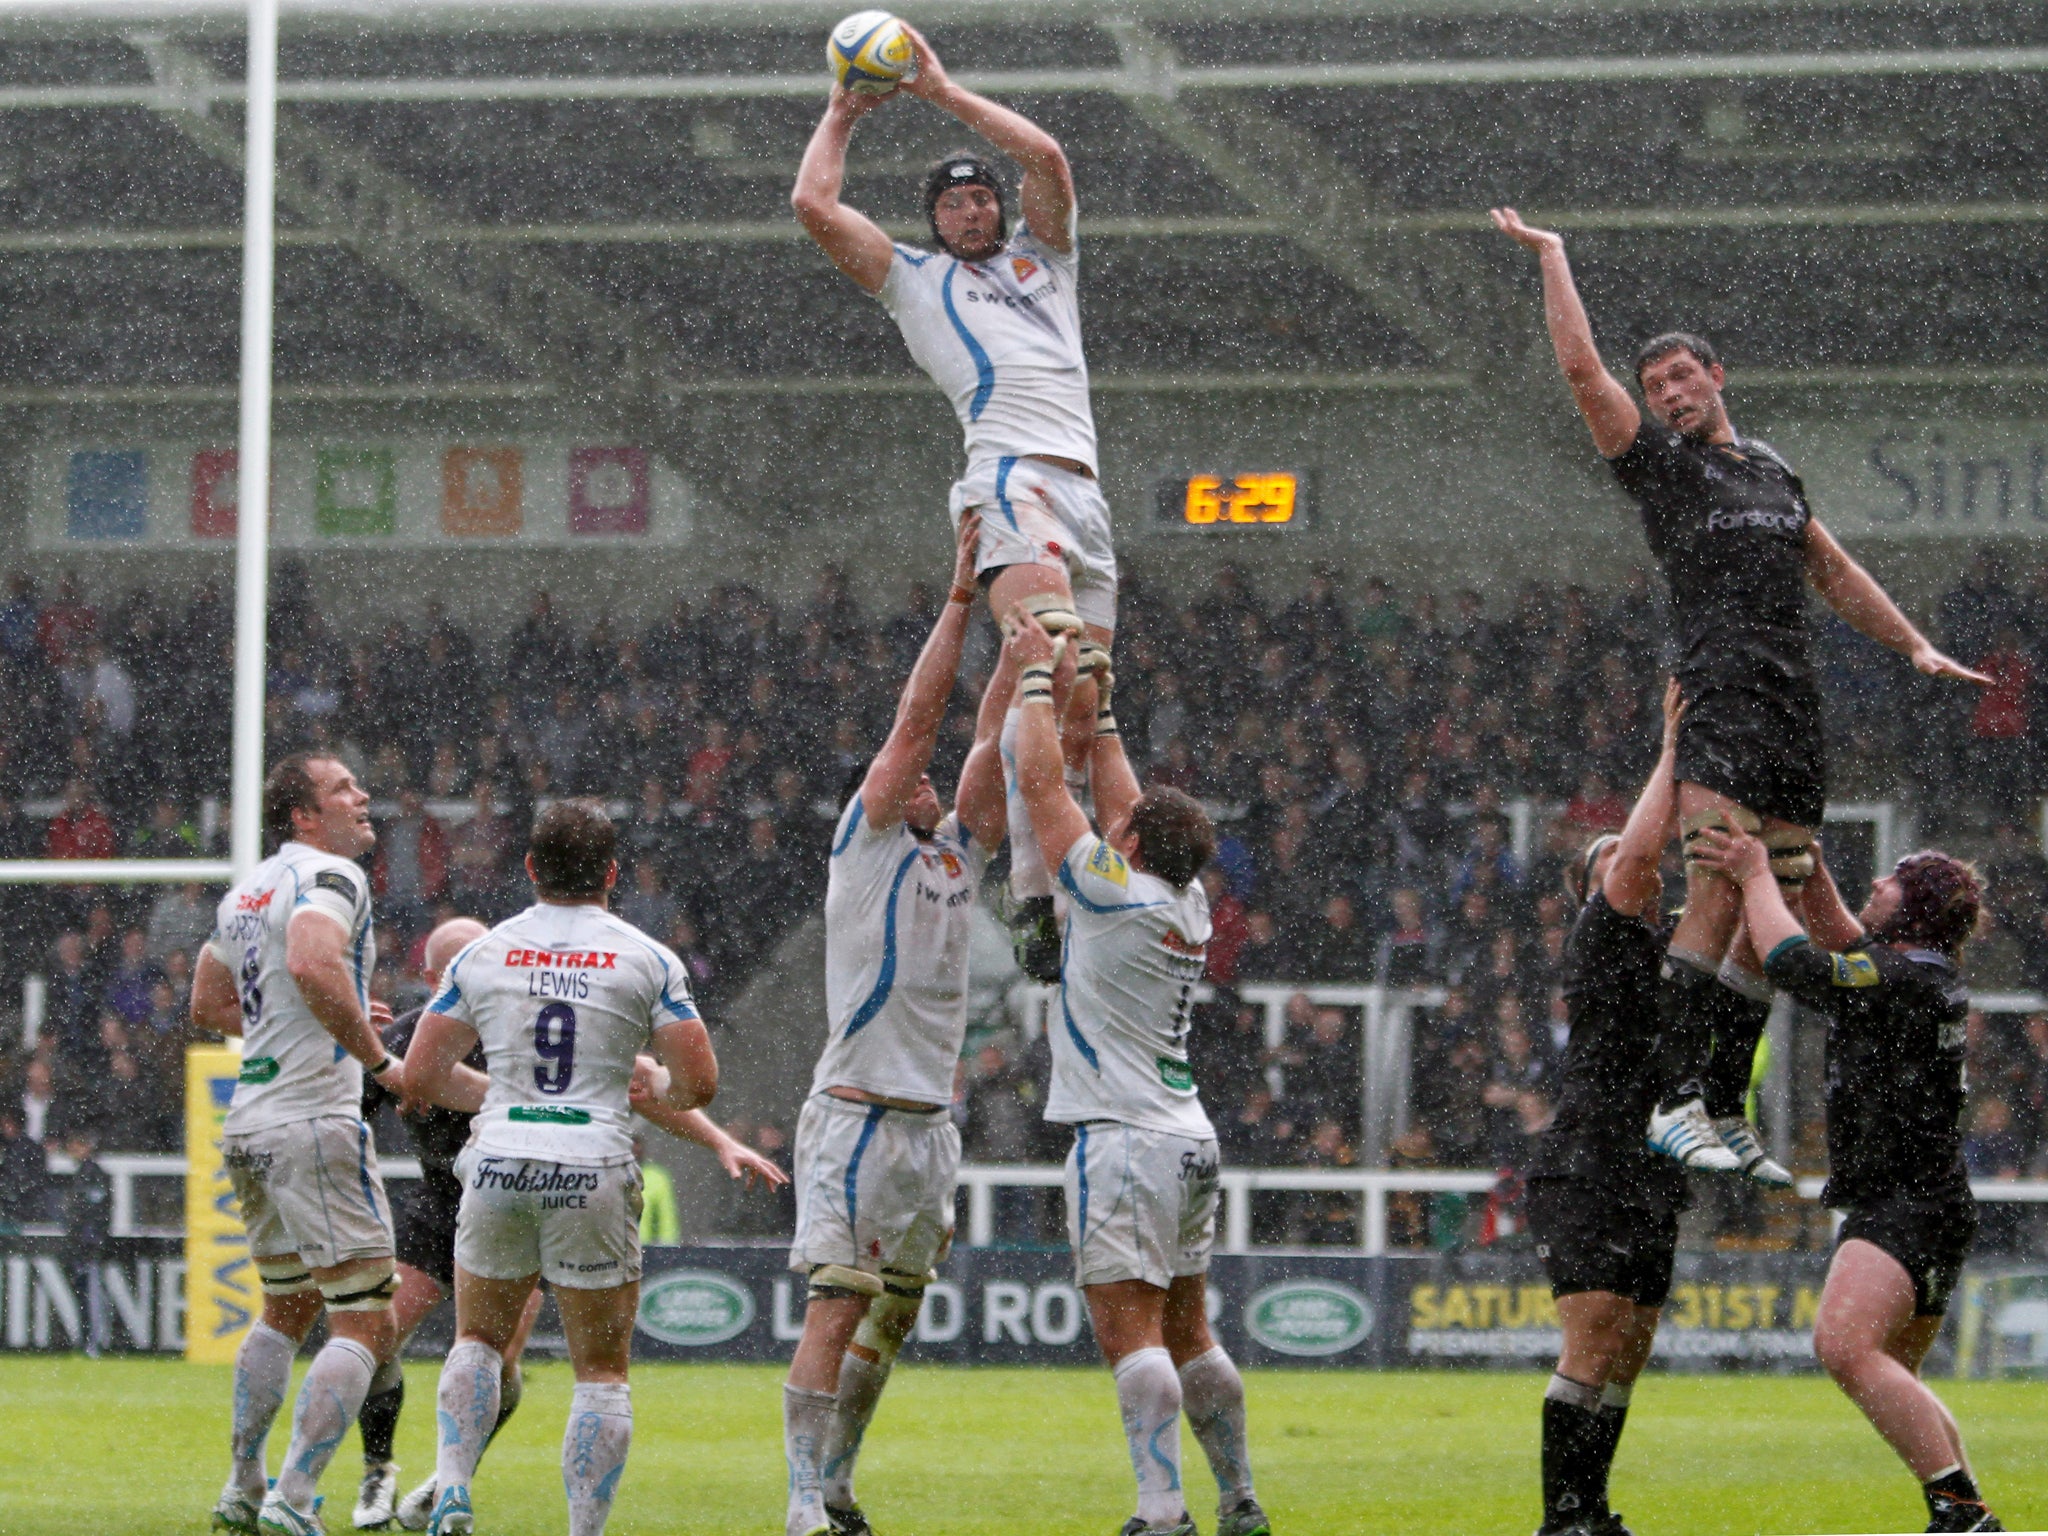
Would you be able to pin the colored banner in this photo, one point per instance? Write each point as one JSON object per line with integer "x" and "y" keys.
{"x": 223, "y": 1295}
{"x": 403, "y": 493}
{"x": 1926, "y": 477}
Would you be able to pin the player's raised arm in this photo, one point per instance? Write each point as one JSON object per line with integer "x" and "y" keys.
{"x": 1745, "y": 860}
{"x": 1110, "y": 774}
{"x": 854, "y": 241}
{"x": 1609, "y": 411}
{"x": 1845, "y": 586}
{"x": 892, "y": 778}
{"x": 1041, "y": 770}
{"x": 1829, "y": 922}
{"x": 1048, "y": 191}
{"x": 1632, "y": 883}
{"x": 981, "y": 801}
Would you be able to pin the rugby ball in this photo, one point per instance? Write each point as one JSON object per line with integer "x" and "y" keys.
{"x": 870, "y": 53}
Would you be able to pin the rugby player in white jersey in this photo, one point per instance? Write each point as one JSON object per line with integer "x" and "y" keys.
{"x": 563, "y": 998}
{"x": 288, "y": 969}
{"x": 876, "y": 1150}
{"x": 995, "y": 319}
{"x": 1141, "y": 1178}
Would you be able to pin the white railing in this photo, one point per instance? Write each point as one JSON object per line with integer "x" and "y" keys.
{"x": 124, "y": 1169}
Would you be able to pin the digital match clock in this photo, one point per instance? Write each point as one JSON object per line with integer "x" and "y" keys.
{"x": 1220, "y": 503}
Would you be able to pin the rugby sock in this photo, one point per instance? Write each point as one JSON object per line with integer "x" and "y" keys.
{"x": 594, "y": 1446}
{"x": 511, "y": 1387}
{"x": 860, "y": 1389}
{"x": 1685, "y": 1035}
{"x": 1571, "y": 1436}
{"x": 263, "y": 1369}
{"x": 1212, "y": 1396}
{"x": 806, "y": 1421}
{"x": 379, "y": 1419}
{"x": 466, "y": 1407}
{"x": 1955, "y": 1483}
{"x": 329, "y": 1398}
{"x": 1740, "y": 1014}
{"x": 1148, "y": 1394}
{"x": 1608, "y": 1426}
{"x": 1028, "y": 875}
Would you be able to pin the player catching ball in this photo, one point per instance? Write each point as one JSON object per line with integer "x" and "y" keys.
{"x": 1889, "y": 983}
{"x": 994, "y": 317}
{"x": 1728, "y": 522}
{"x": 1142, "y": 1175}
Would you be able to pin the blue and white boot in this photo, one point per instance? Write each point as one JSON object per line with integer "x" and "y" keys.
{"x": 452, "y": 1515}
{"x": 1687, "y": 1135}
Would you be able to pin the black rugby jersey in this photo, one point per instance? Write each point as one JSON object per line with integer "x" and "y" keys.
{"x": 437, "y": 1135}
{"x": 1608, "y": 1086}
{"x": 1894, "y": 1067}
{"x": 1727, "y": 524}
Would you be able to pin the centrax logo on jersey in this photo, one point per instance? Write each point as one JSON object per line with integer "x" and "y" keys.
{"x": 249, "y": 902}
{"x": 567, "y": 959}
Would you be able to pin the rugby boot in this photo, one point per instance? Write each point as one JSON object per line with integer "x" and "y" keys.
{"x": 278, "y": 1518}
{"x": 377, "y": 1499}
{"x": 417, "y": 1507}
{"x": 1608, "y": 1523}
{"x": 849, "y": 1521}
{"x": 1247, "y": 1519}
{"x": 1739, "y": 1137}
{"x": 1687, "y": 1135}
{"x": 452, "y": 1515}
{"x": 1954, "y": 1514}
{"x": 235, "y": 1512}
{"x": 1184, "y": 1526}
{"x": 1035, "y": 938}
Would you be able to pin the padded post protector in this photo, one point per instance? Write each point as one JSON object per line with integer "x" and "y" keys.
{"x": 368, "y": 1289}
{"x": 284, "y": 1277}
{"x": 842, "y": 1280}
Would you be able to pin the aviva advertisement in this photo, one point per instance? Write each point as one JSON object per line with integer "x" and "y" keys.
{"x": 222, "y": 1293}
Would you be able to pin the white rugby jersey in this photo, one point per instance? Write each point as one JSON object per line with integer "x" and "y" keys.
{"x": 562, "y": 997}
{"x": 1134, "y": 950}
{"x": 292, "y": 1069}
{"x": 896, "y": 936}
{"x": 1002, "y": 338}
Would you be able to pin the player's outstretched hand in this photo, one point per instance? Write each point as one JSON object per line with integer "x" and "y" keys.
{"x": 930, "y": 79}
{"x": 1674, "y": 711}
{"x": 855, "y": 105}
{"x": 1025, "y": 639}
{"x": 742, "y": 1163}
{"x": 1937, "y": 664}
{"x": 380, "y": 1014}
{"x": 649, "y": 1083}
{"x": 1509, "y": 223}
{"x": 1737, "y": 855}
{"x": 967, "y": 543}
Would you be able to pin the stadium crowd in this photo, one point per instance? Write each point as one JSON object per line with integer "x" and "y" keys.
{"x": 1362, "y": 749}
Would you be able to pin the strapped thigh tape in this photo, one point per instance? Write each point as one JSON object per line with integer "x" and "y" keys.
{"x": 841, "y": 1280}
{"x": 284, "y": 1277}
{"x": 1792, "y": 859}
{"x": 882, "y": 1331}
{"x": 368, "y": 1289}
{"x": 897, "y": 1283}
{"x": 1056, "y": 614}
{"x": 1735, "y": 818}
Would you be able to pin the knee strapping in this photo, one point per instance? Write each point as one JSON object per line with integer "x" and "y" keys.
{"x": 368, "y": 1289}
{"x": 1056, "y": 614}
{"x": 284, "y": 1277}
{"x": 829, "y": 1280}
{"x": 1792, "y": 860}
{"x": 890, "y": 1319}
{"x": 1734, "y": 818}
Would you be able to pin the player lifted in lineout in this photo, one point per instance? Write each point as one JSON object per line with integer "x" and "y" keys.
{"x": 563, "y": 999}
{"x": 288, "y": 969}
{"x": 994, "y": 317}
{"x": 876, "y": 1151}
{"x": 1142, "y": 1175}
{"x": 1728, "y": 522}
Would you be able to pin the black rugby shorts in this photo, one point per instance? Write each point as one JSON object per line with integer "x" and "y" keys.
{"x": 1930, "y": 1238}
{"x": 423, "y": 1224}
{"x": 1763, "y": 750}
{"x": 1590, "y": 1241}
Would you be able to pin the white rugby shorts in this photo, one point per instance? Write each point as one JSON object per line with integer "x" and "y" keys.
{"x": 874, "y": 1187}
{"x": 574, "y": 1224}
{"x": 1035, "y": 513}
{"x": 311, "y": 1187}
{"x": 1141, "y": 1205}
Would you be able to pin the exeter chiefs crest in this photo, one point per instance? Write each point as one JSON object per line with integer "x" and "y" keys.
{"x": 1023, "y": 268}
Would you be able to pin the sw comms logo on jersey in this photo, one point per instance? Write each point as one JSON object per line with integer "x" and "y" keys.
{"x": 695, "y": 1308}
{"x": 1308, "y": 1318}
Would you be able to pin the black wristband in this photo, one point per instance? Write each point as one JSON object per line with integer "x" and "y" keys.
{"x": 383, "y": 1066}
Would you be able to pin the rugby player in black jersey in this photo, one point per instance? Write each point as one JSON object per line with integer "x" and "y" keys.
{"x": 424, "y": 1212}
{"x": 1888, "y": 982}
{"x": 1728, "y": 522}
{"x": 1603, "y": 1207}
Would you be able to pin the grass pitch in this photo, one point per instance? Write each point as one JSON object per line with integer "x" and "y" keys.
{"x": 137, "y": 1448}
